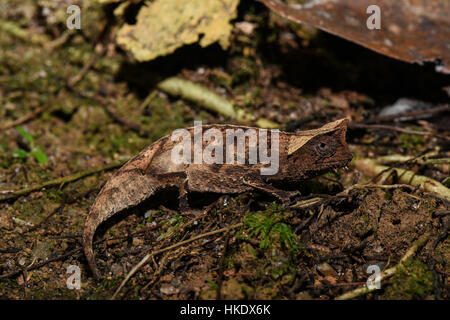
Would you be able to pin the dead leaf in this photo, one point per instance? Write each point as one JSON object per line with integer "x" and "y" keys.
{"x": 411, "y": 30}
{"x": 165, "y": 25}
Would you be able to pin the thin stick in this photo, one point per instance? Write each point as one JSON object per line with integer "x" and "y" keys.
{"x": 39, "y": 265}
{"x": 79, "y": 76}
{"x": 392, "y": 128}
{"x": 389, "y": 272}
{"x": 58, "y": 210}
{"x": 181, "y": 228}
{"x": 372, "y": 168}
{"x": 23, "y": 119}
{"x": 57, "y": 182}
{"x": 176, "y": 245}
{"x": 210, "y": 100}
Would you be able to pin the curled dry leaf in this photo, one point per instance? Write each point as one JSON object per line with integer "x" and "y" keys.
{"x": 411, "y": 30}
{"x": 165, "y": 25}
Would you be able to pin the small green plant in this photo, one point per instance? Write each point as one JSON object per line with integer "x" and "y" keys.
{"x": 269, "y": 227}
{"x": 34, "y": 149}
{"x": 212, "y": 284}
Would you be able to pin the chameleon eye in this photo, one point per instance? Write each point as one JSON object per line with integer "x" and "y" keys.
{"x": 326, "y": 147}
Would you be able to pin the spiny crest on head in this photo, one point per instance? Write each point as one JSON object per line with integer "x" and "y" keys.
{"x": 300, "y": 139}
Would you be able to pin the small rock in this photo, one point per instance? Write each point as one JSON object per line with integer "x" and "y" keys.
{"x": 246, "y": 27}
{"x": 168, "y": 289}
{"x": 36, "y": 195}
{"x": 303, "y": 295}
{"x": 137, "y": 241}
{"x": 326, "y": 270}
{"x": 5, "y": 220}
{"x": 116, "y": 269}
{"x": 22, "y": 261}
{"x": 348, "y": 276}
{"x": 331, "y": 280}
{"x": 42, "y": 250}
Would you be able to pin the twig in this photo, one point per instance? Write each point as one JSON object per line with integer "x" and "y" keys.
{"x": 196, "y": 218}
{"x": 392, "y": 128}
{"x": 181, "y": 243}
{"x": 129, "y": 125}
{"x": 162, "y": 265}
{"x": 209, "y": 100}
{"x": 377, "y": 186}
{"x": 423, "y": 160}
{"x": 99, "y": 38}
{"x": 306, "y": 203}
{"x": 39, "y": 265}
{"x": 59, "y": 181}
{"x": 222, "y": 267}
{"x": 76, "y": 78}
{"x": 372, "y": 168}
{"x": 17, "y": 31}
{"x": 389, "y": 272}
{"x": 23, "y": 119}
{"x": 58, "y": 210}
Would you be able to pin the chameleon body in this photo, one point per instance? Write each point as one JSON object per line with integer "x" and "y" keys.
{"x": 302, "y": 155}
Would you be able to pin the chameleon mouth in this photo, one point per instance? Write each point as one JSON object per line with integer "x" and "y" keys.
{"x": 333, "y": 164}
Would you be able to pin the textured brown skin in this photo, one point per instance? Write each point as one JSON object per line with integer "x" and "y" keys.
{"x": 152, "y": 170}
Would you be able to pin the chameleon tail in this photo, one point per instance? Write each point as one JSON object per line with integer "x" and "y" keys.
{"x": 88, "y": 237}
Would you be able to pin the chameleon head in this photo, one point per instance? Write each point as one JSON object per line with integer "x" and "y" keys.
{"x": 319, "y": 150}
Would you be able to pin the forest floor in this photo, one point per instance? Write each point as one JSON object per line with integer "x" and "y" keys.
{"x": 54, "y": 124}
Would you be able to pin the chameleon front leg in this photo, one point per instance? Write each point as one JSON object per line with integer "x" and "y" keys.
{"x": 283, "y": 196}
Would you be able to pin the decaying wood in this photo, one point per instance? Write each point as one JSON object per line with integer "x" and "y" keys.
{"x": 153, "y": 169}
{"x": 372, "y": 168}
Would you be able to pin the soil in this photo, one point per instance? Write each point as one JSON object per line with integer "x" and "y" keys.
{"x": 315, "y": 252}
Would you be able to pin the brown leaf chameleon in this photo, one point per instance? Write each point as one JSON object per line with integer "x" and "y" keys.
{"x": 293, "y": 158}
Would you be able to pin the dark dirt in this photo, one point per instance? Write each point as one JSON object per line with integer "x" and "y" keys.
{"x": 300, "y": 81}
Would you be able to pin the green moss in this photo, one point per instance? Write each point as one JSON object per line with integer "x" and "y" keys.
{"x": 269, "y": 227}
{"x": 412, "y": 281}
{"x": 104, "y": 290}
{"x": 409, "y": 141}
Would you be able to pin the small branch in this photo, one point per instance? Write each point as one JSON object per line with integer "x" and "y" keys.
{"x": 39, "y": 265}
{"x": 389, "y": 272}
{"x": 306, "y": 203}
{"x": 181, "y": 243}
{"x": 129, "y": 125}
{"x": 58, "y": 210}
{"x": 196, "y": 218}
{"x": 23, "y": 119}
{"x": 17, "y": 31}
{"x": 56, "y": 182}
{"x": 372, "y": 168}
{"x": 392, "y": 128}
{"x": 210, "y": 100}
{"x": 222, "y": 267}
{"x": 77, "y": 78}
{"x": 423, "y": 160}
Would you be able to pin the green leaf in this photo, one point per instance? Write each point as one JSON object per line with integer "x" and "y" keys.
{"x": 20, "y": 153}
{"x": 25, "y": 134}
{"x": 40, "y": 156}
